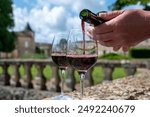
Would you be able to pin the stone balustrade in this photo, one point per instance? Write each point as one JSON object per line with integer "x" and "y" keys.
{"x": 40, "y": 81}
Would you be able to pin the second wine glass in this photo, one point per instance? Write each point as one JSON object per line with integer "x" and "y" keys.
{"x": 58, "y": 54}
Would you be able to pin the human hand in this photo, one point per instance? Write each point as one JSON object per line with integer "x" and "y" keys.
{"x": 123, "y": 29}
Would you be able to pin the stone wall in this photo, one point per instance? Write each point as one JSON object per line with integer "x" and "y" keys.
{"x": 12, "y": 93}
{"x": 128, "y": 88}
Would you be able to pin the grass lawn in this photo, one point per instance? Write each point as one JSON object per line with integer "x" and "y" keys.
{"x": 97, "y": 74}
{"x": 118, "y": 73}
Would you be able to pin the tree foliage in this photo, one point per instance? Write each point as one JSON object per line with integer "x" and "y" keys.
{"x": 120, "y": 4}
{"x": 6, "y": 23}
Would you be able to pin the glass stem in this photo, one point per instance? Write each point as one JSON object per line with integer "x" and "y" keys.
{"x": 82, "y": 77}
{"x": 62, "y": 81}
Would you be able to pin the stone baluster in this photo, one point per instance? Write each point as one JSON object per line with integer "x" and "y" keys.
{"x": 1, "y": 75}
{"x": 43, "y": 78}
{"x": 40, "y": 81}
{"x": 88, "y": 78}
{"x": 70, "y": 79}
{"x": 55, "y": 80}
{"x": 130, "y": 70}
{"x": 24, "y": 80}
{"x": 15, "y": 77}
{"x": 148, "y": 64}
{"x": 37, "y": 80}
{"x": 108, "y": 70}
{"x": 18, "y": 84}
{"x": 29, "y": 75}
{"x": 6, "y": 74}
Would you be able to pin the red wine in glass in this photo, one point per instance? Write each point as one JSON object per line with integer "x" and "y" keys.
{"x": 58, "y": 54}
{"x": 60, "y": 60}
{"x": 82, "y": 62}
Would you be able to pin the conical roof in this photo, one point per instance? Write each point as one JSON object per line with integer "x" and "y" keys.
{"x": 28, "y": 27}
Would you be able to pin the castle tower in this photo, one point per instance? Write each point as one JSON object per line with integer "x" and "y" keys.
{"x": 25, "y": 44}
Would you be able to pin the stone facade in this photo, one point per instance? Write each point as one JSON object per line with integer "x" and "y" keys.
{"x": 24, "y": 44}
{"x": 25, "y": 41}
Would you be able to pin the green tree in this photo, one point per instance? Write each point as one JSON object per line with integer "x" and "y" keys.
{"x": 6, "y": 23}
{"x": 120, "y": 4}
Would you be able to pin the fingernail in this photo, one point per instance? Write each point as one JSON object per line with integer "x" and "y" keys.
{"x": 89, "y": 35}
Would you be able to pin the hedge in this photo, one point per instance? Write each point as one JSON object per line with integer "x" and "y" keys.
{"x": 139, "y": 53}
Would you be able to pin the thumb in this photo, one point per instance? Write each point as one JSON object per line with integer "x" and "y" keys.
{"x": 110, "y": 15}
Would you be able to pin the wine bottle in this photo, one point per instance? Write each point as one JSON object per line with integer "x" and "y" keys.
{"x": 90, "y": 17}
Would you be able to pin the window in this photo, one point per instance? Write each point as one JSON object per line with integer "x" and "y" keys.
{"x": 26, "y": 44}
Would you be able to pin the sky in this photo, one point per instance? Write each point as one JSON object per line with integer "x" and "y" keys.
{"x": 48, "y": 17}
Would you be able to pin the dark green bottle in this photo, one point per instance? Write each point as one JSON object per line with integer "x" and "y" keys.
{"x": 90, "y": 17}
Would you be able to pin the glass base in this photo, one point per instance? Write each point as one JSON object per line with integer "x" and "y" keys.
{"x": 62, "y": 97}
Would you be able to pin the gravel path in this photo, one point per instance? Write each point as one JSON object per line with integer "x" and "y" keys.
{"x": 129, "y": 88}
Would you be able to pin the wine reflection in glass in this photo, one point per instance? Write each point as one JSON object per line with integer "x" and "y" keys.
{"x": 82, "y": 54}
{"x": 58, "y": 54}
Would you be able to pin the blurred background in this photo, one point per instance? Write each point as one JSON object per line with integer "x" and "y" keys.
{"x": 34, "y": 23}
{"x": 27, "y": 28}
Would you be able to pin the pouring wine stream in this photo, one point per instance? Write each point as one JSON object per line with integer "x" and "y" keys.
{"x": 82, "y": 75}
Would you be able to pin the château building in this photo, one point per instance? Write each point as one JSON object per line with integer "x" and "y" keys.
{"x": 25, "y": 44}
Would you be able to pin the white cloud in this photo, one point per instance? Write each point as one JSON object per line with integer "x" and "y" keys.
{"x": 73, "y": 22}
{"x": 46, "y": 21}
{"x": 21, "y": 17}
{"x": 54, "y": 2}
{"x": 137, "y": 6}
{"x": 48, "y": 17}
{"x": 101, "y": 2}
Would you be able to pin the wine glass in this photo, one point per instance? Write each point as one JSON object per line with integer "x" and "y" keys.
{"x": 82, "y": 53}
{"x": 58, "y": 54}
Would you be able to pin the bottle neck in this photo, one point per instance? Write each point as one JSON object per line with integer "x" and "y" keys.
{"x": 90, "y": 17}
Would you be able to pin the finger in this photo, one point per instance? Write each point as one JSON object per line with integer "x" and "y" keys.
{"x": 91, "y": 36}
{"x": 90, "y": 30}
{"x": 110, "y": 15}
{"x": 104, "y": 28}
{"x": 116, "y": 48}
{"x": 108, "y": 43}
{"x": 103, "y": 37}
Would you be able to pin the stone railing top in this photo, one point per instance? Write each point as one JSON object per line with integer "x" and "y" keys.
{"x": 13, "y": 61}
{"x": 125, "y": 63}
{"x": 99, "y": 61}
